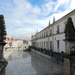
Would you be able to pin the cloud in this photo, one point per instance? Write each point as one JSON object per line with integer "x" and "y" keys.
{"x": 63, "y": 3}
{"x": 23, "y": 19}
{"x": 58, "y": 15}
{"x": 72, "y": 4}
{"x": 24, "y": 33}
{"x": 47, "y": 8}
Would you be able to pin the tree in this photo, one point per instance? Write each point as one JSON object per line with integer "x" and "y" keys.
{"x": 2, "y": 29}
{"x": 69, "y": 30}
{"x": 10, "y": 44}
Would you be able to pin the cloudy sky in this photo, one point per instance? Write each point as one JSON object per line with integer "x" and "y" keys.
{"x": 25, "y": 17}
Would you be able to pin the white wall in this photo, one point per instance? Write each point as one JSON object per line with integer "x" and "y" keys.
{"x": 73, "y": 19}
{"x": 60, "y": 37}
{"x": 55, "y": 36}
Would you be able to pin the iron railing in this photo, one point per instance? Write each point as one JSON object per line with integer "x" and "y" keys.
{"x": 56, "y": 55}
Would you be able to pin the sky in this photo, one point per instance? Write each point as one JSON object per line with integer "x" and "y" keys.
{"x": 23, "y": 18}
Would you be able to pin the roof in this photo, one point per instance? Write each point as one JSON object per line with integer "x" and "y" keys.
{"x": 57, "y": 21}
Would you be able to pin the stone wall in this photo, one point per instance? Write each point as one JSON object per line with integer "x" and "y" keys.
{"x": 42, "y": 54}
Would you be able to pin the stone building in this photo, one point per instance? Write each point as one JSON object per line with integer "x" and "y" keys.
{"x": 52, "y": 36}
{"x": 13, "y": 43}
{"x": 26, "y": 43}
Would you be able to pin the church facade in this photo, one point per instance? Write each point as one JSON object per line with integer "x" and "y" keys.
{"x": 51, "y": 37}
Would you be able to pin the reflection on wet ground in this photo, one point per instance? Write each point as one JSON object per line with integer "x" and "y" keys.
{"x": 29, "y": 63}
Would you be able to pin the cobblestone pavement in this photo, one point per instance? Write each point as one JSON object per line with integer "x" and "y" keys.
{"x": 29, "y": 63}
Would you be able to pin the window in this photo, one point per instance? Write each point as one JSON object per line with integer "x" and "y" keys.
{"x": 46, "y": 33}
{"x": 50, "y": 45}
{"x": 42, "y": 35}
{"x": 58, "y": 45}
{"x": 51, "y": 32}
{"x": 65, "y": 25}
{"x": 65, "y": 22}
{"x": 57, "y": 29}
{"x": 44, "y": 44}
{"x": 40, "y": 44}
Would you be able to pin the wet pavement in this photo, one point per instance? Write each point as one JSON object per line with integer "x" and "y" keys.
{"x": 29, "y": 63}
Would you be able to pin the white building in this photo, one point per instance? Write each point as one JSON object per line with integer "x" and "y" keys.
{"x": 52, "y": 36}
{"x": 13, "y": 43}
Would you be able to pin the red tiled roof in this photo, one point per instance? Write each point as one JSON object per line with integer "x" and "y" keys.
{"x": 15, "y": 39}
{"x": 26, "y": 41}
{"x": 7, "y": 38}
